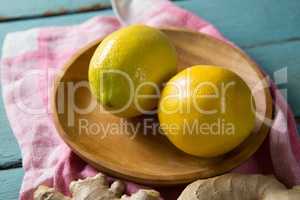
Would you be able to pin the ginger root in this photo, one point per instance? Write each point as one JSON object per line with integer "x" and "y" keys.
{"x": 46, "y": 193}
{"x": 239, "y": 187}
{"x": 95, "y": 188}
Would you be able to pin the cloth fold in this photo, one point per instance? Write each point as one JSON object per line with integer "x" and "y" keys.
{"x": 31, "y": 59}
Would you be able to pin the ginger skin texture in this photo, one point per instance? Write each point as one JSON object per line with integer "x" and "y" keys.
{"x": 239, "y": 187}
{"x": 95, "y": 188}
{"x": 225, "y": 187}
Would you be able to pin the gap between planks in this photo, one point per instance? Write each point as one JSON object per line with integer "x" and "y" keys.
{"x": 11, "y": 165}
{"x": 271, "y": 42}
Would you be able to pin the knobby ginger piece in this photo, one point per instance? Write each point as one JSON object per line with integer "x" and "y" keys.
{"x": 239, "y": 187}
{"x": 46, "y": 193}
{"x": 95, "y": 188}
{"x": 143, "y": 195}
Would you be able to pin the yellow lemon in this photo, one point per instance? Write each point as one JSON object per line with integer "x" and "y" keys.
{"x": 206, "y": 111}
{"x": 128, "y": 67}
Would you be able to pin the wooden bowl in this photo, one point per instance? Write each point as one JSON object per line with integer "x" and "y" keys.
{"x": 151, "y": 158}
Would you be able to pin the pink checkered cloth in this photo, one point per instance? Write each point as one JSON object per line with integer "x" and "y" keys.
{"x": 30, "y": 60}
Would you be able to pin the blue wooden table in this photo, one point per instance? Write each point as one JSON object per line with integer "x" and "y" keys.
{"x": 268, "y": 30}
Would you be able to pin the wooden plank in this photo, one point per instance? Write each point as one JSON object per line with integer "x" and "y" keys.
{"x": 31, "y": 8}
{"x": 11, "y": 181}
{"x": 251, "y": 23}
{"x": 9, "y": 150}
{"x": 274, "y": 59}
{"x": 12, "y": 26}
{"x": 271, "y": 57}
